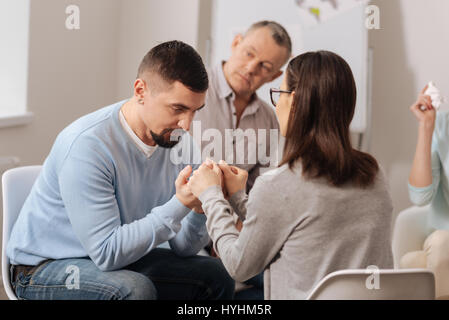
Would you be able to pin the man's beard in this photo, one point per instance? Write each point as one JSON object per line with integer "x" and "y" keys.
{"x": 173, "y": 139}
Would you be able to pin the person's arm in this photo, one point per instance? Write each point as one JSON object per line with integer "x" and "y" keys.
{"x": 425, "y": 172}
{"x": 235, "y": 183}
{"x": 238, "y": 201}
{"x": 192, "y": 237}
{"x": 250, "y": 251}
{"x": 86, "y": 187}
{"x": 422, "y": 189}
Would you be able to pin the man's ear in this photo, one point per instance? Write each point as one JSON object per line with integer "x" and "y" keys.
{"x": 237, "y": 39}
{"x": 139, "y": 88}
{"x": 276, "y": 75}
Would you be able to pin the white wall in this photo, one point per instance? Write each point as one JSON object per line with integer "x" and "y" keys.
{"x": 71, "y": 73}
{"x": 74, "y": 72}
{"x": 411, "y": 49}
{"x": 13, "y": 75}
{"x": 146, "y": 23}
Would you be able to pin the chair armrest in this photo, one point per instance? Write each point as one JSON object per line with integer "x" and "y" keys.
{"x": 410, "y": 231}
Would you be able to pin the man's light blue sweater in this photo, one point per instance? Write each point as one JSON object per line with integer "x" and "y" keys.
{"x": 99, "y": 196}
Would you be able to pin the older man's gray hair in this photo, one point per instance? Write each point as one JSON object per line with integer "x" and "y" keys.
{"x": 278, "y": 32}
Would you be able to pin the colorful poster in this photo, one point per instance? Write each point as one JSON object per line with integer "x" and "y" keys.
{"x": 313, "y": 12}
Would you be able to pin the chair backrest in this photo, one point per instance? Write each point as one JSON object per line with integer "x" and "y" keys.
{"x": 16, "y": 185}
{"x": 383, "y": 284}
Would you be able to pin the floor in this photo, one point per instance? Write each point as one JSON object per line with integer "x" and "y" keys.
{"x": 2, "y": 294}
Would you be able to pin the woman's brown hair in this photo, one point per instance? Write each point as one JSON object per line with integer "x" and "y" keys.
{"x": 318, "y": 126}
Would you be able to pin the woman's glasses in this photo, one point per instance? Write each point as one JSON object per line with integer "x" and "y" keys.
{"x": 275, "y": 94}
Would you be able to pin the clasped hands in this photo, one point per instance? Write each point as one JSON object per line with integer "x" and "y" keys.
{"x": 231, "y": 179}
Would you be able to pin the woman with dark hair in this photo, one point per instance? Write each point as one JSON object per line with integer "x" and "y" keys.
{"x": 325, "y": 208}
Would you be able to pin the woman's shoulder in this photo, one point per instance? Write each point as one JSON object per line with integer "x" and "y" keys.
{"x": 271, "y": 178}
{"x": 271, "y": 174}
{"x": 279, "y": 174}
{"x": 282, "y": 179}
{"x": 381, "y": 180}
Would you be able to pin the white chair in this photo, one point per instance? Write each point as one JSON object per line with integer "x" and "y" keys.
{"x": 356, "y": 284}
{"x": 16, "y": 184}
{"x": 410, "y": 232}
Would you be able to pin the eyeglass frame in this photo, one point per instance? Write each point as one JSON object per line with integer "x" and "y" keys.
{"x": 275, "y": 90}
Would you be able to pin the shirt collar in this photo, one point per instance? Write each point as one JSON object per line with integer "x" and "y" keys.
{"x": 225, "y": 91}
{"x": 146, "y": 149}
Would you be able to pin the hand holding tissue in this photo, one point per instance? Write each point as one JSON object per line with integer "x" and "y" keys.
{"x": 435, "y": 96}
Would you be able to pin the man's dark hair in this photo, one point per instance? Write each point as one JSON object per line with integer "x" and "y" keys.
{"x": 176, "y": 61}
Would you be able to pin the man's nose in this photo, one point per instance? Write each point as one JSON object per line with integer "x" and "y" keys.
{"x": 185, "y": 122}
{"x": 252, "y": 66}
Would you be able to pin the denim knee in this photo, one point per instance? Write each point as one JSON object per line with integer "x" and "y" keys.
{"x": 54, "y": 282}
{"x": 135, "y": 286}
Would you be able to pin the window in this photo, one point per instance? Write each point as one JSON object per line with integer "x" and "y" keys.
{"x": 14, "y": 33}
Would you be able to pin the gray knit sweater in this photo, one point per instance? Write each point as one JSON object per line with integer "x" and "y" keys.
{"x": 300, "y": 230}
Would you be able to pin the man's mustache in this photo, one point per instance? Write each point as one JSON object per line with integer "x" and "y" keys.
{"x": 175, "y": 137}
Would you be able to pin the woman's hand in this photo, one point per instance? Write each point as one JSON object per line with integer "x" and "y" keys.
{"x": 424, "y": 112}
{"x": 234, "y": 178}
{"x": 421, "y": 172}
{"x": 207, "y": 175}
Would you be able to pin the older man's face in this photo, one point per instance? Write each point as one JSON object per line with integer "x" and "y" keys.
{"x": 256, "y": 59}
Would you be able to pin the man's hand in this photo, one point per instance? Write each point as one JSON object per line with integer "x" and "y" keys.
{"x": 234, "y": 178}
{"x": 198, "y": 210}
{"x": 183, "y": 192}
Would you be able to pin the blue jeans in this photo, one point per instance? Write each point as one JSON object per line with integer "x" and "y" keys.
{"x": 159, "y": 275}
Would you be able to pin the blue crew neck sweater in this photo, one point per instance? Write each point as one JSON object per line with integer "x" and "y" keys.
{"x": 99, "y": 196}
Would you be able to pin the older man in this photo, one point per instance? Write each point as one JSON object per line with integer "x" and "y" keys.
{"x": 240, "y": 125}
{"x": 232, "y": 103}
